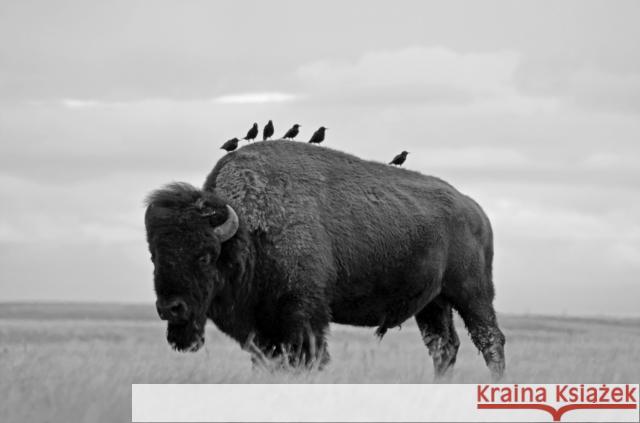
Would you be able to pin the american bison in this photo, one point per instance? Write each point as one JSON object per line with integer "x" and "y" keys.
{"x": 285, "y": 238}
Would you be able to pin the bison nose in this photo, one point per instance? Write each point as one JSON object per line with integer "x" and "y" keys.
{"x": 174, "y": 310}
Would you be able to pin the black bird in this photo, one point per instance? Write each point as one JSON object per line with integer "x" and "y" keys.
{"x": 293, "y": 132}
{"x": 267, "y": 132}
{"x": 230, "y": 145}
{"x": 253, "y": 133}
{"x": 400, "y": 158}
{"x": 318, "y": 136}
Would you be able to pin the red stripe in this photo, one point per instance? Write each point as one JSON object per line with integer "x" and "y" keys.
{"x": 557, "y": 414}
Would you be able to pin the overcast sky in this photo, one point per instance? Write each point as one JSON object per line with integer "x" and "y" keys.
{"x": 532, "y": 108}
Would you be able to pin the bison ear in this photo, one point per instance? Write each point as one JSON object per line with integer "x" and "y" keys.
{"x": 202, "y": 207}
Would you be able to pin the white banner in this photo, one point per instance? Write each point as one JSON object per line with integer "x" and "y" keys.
{"x": 383, "y": 403}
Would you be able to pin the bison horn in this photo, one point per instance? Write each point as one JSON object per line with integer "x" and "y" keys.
{"x": 229, "y": 228}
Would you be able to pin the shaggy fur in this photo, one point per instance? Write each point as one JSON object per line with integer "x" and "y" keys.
{"x": 327, "y": 237}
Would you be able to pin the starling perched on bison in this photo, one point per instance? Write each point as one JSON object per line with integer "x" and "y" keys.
{"x": 292, "y": 132}
{"x": 318, "y": 136}
{"x": 284, "y": 238}
{"x": 268, "y": 131}
{"x": 399, "y": 159}
{"x": 230, "y": 145}
{"x": 253, "y": 133}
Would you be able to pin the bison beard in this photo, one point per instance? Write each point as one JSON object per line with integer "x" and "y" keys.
{"x": 285, "y": 238}
{"x": 187, "y": 336}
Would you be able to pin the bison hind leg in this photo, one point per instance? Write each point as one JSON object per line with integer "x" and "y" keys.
{"x": 435, "y": 322}
{"x": 480, "y": 319}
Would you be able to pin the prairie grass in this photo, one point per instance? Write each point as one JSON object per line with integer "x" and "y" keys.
{"x": 77, "y": 362}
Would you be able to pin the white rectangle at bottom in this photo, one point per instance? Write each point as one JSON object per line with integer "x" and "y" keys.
{"x": 331, "y": 403}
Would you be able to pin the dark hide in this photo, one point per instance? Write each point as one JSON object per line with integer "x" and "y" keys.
{"x": 326, "y": 237}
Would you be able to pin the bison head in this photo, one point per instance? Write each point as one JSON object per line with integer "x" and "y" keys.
{"x": 185, "y": 231}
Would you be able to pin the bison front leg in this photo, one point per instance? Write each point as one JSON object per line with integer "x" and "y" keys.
{"x": 303, "y": 326}
{"x": 304, "y": 352}
{"x": 290, "y": 334}
{"x": 309, "y": 348}
{"x": 263, "y": 356}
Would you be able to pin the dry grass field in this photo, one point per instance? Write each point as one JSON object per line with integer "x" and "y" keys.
{"x": 77, "y": 362}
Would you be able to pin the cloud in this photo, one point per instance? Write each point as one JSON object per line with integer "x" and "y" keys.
{"x": 585, "y": 85}
{"x": 607, "y": 90}
{"x": 474, "y": 157}
{"x": 71, "y": 214}
{"x": 72, "y": 103}
{"x": 610, "y": 161}
{"x": 256, "y": 98}
{"x": 519, "y": 218}
{"x": 90, "y": 103}
{"x": 239, "y": 98}
{"x": 546, "y": 252}
{"x": 416, "y": 74}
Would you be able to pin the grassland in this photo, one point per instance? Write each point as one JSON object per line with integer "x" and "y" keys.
{"x": 61, "y": 362}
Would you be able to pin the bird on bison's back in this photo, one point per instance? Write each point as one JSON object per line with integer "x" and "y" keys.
{"x": 292, "y": 132}
{"x": 399, "y": 159}
{"x": 268, "y": 131}
{"x": 253, "y": 133}
{"x": 230, "y": 145}
{"x": 284, "y": 238}
{"x": 318, "y": 136}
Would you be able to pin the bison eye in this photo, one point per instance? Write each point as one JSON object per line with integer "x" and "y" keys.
{"x": 204, "y": 259}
